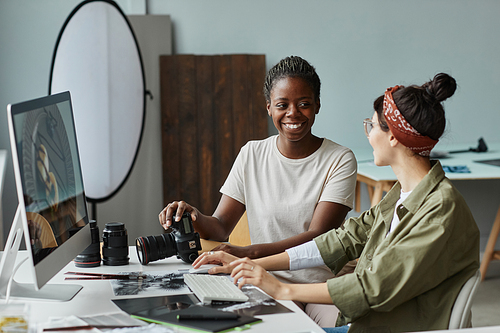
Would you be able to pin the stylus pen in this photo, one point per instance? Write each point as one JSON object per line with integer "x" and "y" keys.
{"x": 103, "y": 276}
{"x": 227, "y": 316}
{"x": 86, "y": 327}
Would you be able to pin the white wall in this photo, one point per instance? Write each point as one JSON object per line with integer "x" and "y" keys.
{"x": 358, "y": 47}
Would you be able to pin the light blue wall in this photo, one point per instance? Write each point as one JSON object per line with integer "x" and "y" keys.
{"x": 358, "y": 47}
{"x": 28, "y": 33}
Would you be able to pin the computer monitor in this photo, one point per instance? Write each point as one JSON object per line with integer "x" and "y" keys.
{"x": 52, "y": 210}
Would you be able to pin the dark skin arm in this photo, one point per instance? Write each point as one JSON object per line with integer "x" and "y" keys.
{"x": 217, "y": 227}
{"x": 327, "y": 216}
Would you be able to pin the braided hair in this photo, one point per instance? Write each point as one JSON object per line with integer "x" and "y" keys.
{"x": 292, "y": 66}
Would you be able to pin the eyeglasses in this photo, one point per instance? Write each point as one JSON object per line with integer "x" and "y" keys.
{"x": 368, "y": 124}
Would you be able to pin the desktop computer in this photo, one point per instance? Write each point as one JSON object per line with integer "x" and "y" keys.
{"x": 52, "y": 213}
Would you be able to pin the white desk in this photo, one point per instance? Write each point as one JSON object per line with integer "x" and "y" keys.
{"x": 95, "y": 298}
{"x": 381, "y": 179}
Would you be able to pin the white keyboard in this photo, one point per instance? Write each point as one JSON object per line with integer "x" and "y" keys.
{"x": 210, "y": 288}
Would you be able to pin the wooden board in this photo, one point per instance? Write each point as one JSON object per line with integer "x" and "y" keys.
{"x": 211, "y": 106}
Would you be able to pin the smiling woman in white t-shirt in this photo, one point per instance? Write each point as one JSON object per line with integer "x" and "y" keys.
{"x": 294, "y": 186}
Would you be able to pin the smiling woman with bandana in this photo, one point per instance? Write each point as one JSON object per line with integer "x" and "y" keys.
{"x": 416, "y": 248}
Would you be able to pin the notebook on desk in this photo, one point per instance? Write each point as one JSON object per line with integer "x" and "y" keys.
{"x": 495, "y": 162}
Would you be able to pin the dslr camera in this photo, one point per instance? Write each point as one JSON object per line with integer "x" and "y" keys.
{"x": 182, "y": 241}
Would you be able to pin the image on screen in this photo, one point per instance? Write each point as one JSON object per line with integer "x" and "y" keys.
{"x": 51, "y": 177}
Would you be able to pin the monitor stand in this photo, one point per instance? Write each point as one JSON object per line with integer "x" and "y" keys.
{"x": 55, "y": 292}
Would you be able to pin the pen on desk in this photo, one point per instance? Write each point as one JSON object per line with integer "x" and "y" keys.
{"x": 86, "y": 327}
{"x": 103, "y": 276}
{"x": 224, "y": 316}
{"x": 82, "y": 276}
{"x": 70, "y": 328}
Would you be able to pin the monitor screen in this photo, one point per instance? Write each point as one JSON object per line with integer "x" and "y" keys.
{"x": 52, "y": 204}
{"x": 51, "y": 178}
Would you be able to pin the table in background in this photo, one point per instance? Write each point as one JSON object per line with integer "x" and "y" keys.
{"x": 95, "y": 297}
{"x": 381, "y": 179}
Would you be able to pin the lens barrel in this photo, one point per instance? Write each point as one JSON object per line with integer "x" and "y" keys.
{"x": 152, "y": 248}
{"x": 91, "y": 256}
{"x": 115, "y": 244}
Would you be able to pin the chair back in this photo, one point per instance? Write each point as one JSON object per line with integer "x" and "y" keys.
{"x": 461, "y": 312}
{"x": 240, "y": 235}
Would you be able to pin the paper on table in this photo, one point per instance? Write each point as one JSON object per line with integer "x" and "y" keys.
{"x": 69, "y": 323}
{"x": 119, "y": 319}
{"x": 91, "y": 323}
{"x": 151, "y": 328}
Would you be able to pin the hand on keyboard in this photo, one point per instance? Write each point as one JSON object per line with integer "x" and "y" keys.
{"x": 246, "y": 271}
{"x": 219, "y": 257}
{"x": 203, "y": 269}
{"x": 243, "y": 270}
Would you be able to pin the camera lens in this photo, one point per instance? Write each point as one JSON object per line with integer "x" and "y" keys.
{"x": 91, "y": 256}
{"x": 152, "y": 248}
{"x": 182, "y": 241}
{"x": 115, "y": 244}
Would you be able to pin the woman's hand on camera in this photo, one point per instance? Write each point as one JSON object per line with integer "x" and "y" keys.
{"x": 245, "y": 271}
{"x": 219, "y": 258}
{"x": 175, "y": 210}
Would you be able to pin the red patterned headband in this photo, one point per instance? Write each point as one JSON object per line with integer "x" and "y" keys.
{"x": 402, "y": 130}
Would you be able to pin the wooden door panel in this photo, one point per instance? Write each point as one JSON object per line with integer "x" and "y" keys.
{"x": 211, "y": 106}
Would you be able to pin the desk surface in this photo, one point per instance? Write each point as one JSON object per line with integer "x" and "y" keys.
{"x": 367, "y": 168}
{"x": 95, "y": 298}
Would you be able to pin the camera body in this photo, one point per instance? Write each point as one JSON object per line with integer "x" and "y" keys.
{"x": 182, "y": 241}
{"x": 186, "y": 239}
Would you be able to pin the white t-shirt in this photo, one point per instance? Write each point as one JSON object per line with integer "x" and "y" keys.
{"x": 395, "y": 217}
{"x": 281, "y": 194}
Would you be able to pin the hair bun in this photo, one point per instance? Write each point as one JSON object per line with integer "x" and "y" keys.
{"x": 441, "y": 87}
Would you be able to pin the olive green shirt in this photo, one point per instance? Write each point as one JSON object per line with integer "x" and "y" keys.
{"x": 409, "y": 280}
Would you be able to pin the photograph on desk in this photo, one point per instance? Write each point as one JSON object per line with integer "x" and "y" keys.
{"x": 150, "y": 283}
{"x": 138, "y": 283}
{"x": 259, "y": 303}
{"x": 169, "y": 288}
